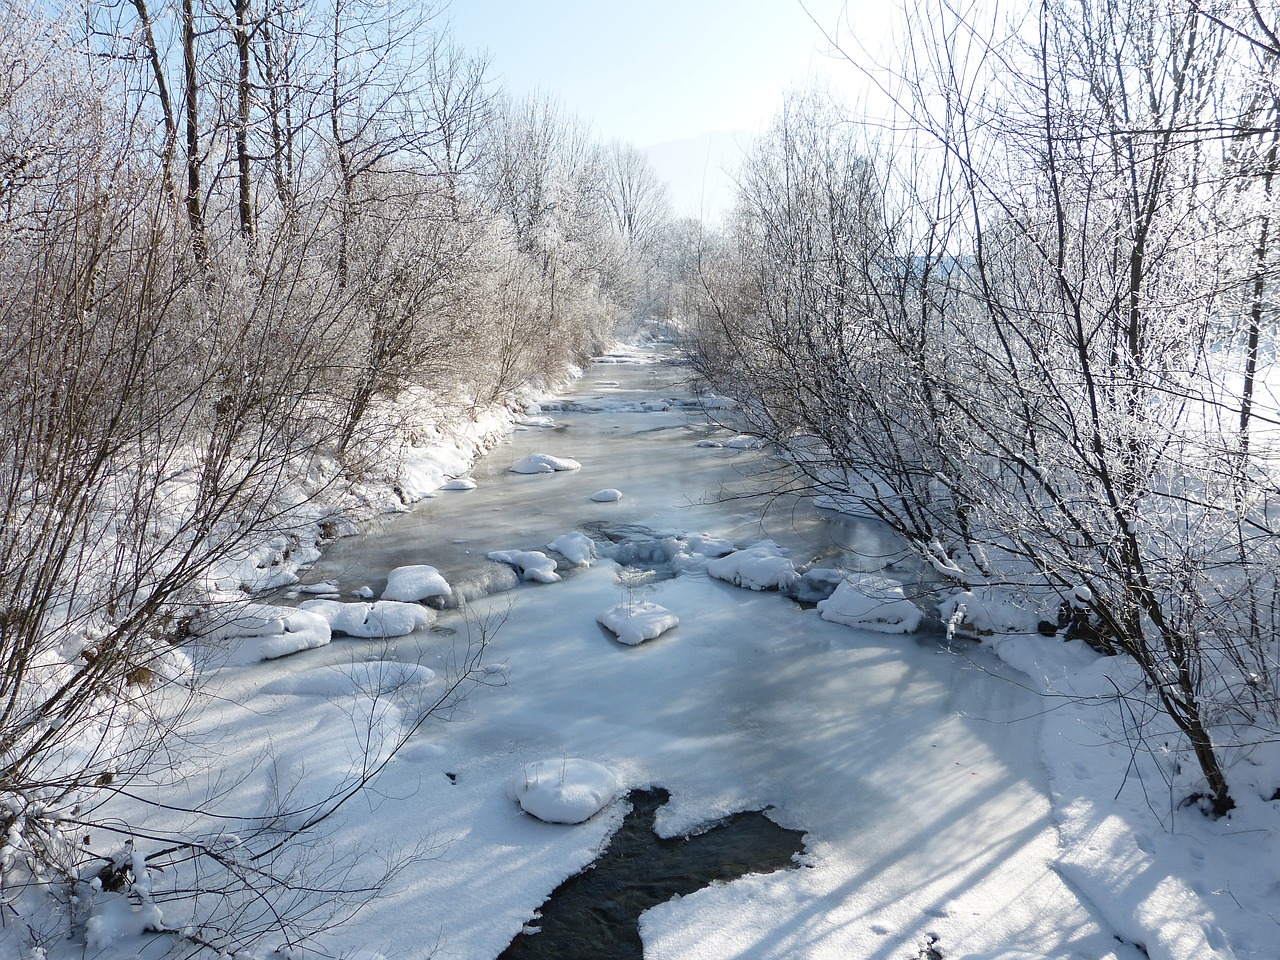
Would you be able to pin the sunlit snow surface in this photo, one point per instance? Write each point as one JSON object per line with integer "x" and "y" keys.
{"x": 916, "y": 770}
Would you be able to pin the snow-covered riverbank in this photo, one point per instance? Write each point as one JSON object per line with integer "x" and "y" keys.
{"x": 948, "y": 803}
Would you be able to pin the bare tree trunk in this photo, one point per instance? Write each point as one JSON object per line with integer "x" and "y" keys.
{"x": 195, "y": 201}
{"x": 241, "y": 33}
{"x": 162, "y": 91}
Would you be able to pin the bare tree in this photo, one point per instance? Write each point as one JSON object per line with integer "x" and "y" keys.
{"x": 1010, "y": 360}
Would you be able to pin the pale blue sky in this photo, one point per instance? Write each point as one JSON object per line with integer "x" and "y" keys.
{"x": 664, "y": 70}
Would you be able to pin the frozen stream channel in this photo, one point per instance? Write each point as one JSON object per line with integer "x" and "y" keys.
{"x": 913, "y": 769}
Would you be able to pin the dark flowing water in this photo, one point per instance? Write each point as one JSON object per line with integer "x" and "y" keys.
{"x": 595, "y": 915}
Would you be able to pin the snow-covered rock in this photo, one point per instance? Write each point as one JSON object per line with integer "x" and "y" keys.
{"x": 639, "y": 621}
{"x": 576, "y": 547}
{"x": 328, "y": 586}
{"x": 872, "y": 602}
{"x": 531, "y": 564}
{"x": 816, "y": 585}
{"x": 762, "y": 566}
{"x": 562, "y": 790}
{"x": 418, "y": 581}
{"x": 608, "y": 495}
{"x": 544, "y": 463}
{"x": 277, "y": 631}
{"x": 744, "y": 441}
{"x": 459, "y": 483}
{"x": 383, "y": 618}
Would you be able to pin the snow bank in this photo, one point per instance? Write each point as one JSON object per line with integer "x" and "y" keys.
{"x": 872, "y": 602}
{"x": 378, "y": 620}
{"x": 762, "y": 566}
{"x": 544, "y": 463}
{"x": 637, "y": 622}
{"x": 418, "y": 581}
{"x": 562, "y": 791}
{"x": 576, "y": 547}
{"x": 531, "y": 564}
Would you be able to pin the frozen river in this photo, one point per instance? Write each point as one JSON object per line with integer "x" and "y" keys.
{"x": 913, "y": 769}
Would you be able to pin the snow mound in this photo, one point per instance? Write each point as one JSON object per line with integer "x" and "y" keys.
{"x": 373, "y": 678}
{"x": 279, "y": 631}
{"x": 637, "y": 622}
{"x": 460, "y": 483}
{"x": 872, "y": 602}
{"x": 537, "y": 421}
{"x": 576, "y": 547}
{"x": 383, "y": 618}
{"x": 415, "y": 582}
{"x": 744, "y": 441}
{"x": 609, "y": 495}
{"x": 562, "y": 791}
{"x": 531, "y": 564}
{"x": 759, "y": 567}
{"x": 544, "y": 463}
{"x": 709, "y": 443}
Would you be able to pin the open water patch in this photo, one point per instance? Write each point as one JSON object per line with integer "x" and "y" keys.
{"x": 595, "y": 915}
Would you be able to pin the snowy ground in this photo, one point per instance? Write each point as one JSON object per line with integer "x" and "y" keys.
{"x": 947, "y": 799}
